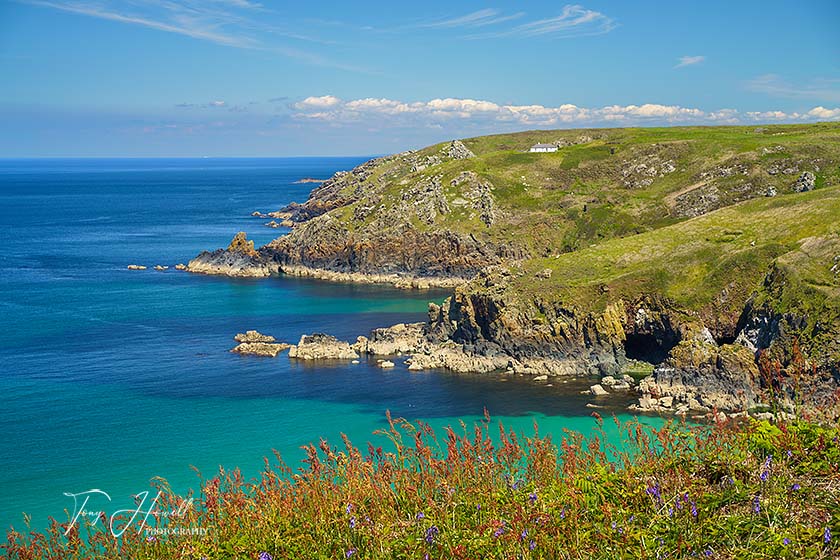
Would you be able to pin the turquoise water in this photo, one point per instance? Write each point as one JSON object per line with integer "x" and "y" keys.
{"x": 111, "y": 377}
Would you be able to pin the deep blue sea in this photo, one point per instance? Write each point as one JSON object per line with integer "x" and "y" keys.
{"x": 111, "y": 377}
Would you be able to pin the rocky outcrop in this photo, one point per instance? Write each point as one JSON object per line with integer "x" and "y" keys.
{"x": 239, "y": 259}
{"x": 806, "y": 182}
{"x": 386, "y": 246}
{"x": 136, "y": 267}
{"x": 322, "y": 347}
{"x": 260, "y": 348}
{"x": 457, "y": 150}
{"x": 700, "y": 376}
{"x": 258, "y": 344}
{"x": 253, "y": 336}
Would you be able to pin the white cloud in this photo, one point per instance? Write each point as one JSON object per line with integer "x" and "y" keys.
{"x": 321, "y": 102}
{"x": 574, "y": 21}
{"x": 480, "y": 18}
{"x": 690, "y": 60}
{"x": 826, "y": 114}
{"x": 477, "y": 111}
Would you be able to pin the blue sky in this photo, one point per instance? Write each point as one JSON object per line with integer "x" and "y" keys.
{"x": 249, "y": 78}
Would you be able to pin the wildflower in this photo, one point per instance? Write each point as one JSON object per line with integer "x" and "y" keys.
{"x": 265, "y": 556}
{"x": 150, "y": 538}
{"x": 350, "y": 552}
{"x": 431, "y": 533}
{"x": 765, "y": 469}
{"x": 757, "y": 504}
{"x": 524, "y": 534}
{"x": 419, "y": 516}
{"x": 795, "y": 487}
{"x": 827, "y": 535}
{"x": 655, "y": 492}
{"x": 563, "y": 513}
{"x": 708, "y": 552}
{"x": 787, "y": 540}
{"x": 353, "y": 522}
{"x": 348, "y": 509}
{"x": 532, "y": 497}
{"x": 789, "y": 453}
{"x": 498, "y": 532}
{"x": 693, "y": 509}
{"x": 532, "y": 545}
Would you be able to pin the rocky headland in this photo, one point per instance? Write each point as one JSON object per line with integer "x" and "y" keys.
{"x": 704, "y": 263}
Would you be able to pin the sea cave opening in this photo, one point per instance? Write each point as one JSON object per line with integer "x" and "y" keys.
{"x": 646, "y": 348}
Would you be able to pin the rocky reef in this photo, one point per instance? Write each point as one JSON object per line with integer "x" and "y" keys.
{"x": 322, "y": 347}
{"x": 258, "y": 344}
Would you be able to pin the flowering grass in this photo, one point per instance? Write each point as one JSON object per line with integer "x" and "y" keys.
{"x": 733, "y": 490}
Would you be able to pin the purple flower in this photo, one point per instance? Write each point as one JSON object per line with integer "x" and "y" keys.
{"x": 765, "y": 469}
{"x": 757, "y": 504}
{"x": 655, "y": 492}
{"x": 498, "y": 532}
{"x": 532, "y": 497}
{"x": 265, "y": 556}
{"x": 431, "y": 533}
{"x": 693, "y": 509}
{"x": 795, "y": 487}
{"x": 524, "y": 534}
{"x": 350, "y": 552}
{"x": 349, "y": 508}
{"x": 353, "y": 522}
{"x": 827, "y": 535}
{"x": 419, "y": 516}
{"x": 787, "y": 540}
{"x": 789, "y": 453}
{"x": 708, "y": 552}
{"x": 150, "y": 538}
{"x": 532, "y": 545}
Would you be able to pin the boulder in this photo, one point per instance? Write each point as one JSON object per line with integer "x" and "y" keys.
{"x": 386, "y": 364}
{"x": 180, "y": 266}
{"x": 136, "y": 267}
{"x": 598, "y": 390}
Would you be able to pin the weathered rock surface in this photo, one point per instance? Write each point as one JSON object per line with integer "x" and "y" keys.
{"x": 136, "y": 267}
{"x": 253, "y": 336}
{"x": 269, "y": 349}
{"x": 322, "y": 347}
{"x": 239, "y": 259}
{"x": 806, "y": 182}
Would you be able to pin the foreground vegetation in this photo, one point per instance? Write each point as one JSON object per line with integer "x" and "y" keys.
{"x": 745, "y": 490}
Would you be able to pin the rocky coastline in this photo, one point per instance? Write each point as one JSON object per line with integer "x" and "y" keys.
{"x": 762, "y": 338}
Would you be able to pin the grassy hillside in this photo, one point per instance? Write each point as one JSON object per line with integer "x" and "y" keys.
{"x": 612, "y": 182}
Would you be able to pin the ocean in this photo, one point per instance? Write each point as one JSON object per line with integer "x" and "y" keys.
{"x": 112, "y": 377}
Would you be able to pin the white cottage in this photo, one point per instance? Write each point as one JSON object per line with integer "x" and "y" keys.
{"x": 543, "y": 148}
